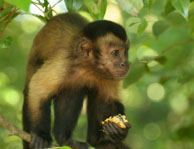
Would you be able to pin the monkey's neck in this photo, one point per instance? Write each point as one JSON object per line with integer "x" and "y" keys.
{"x": 84, "y": 77}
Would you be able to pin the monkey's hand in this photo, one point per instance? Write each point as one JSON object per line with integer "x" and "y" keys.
{"x": 39, "y": 143}
{"x": 116, "y": 128}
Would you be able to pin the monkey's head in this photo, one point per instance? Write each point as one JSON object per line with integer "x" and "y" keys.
{"x": 105, "y": 46}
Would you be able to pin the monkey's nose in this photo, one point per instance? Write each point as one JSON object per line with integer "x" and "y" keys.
{"x": 122, "y": 65}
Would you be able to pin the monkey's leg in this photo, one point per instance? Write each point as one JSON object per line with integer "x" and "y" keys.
{"x": 40, "y": 129}
{"x": 68, "y": 105}
{"x": 36, "y": 112}
{"x": 98, "y": 111}
{"x": 25, "y": 120}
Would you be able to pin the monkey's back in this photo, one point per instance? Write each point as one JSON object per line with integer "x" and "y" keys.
{"x": 60, "y": 34}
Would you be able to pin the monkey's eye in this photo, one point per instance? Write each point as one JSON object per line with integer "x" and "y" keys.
{"x": 115, "y": 53}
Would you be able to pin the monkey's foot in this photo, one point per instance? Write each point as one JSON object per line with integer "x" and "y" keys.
{"x": 39, "y": 143}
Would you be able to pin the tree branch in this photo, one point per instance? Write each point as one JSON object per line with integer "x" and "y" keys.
{"x": 14, "y": 130}
{"x": 9, "y": 16}
{"x": 175, "y": 45}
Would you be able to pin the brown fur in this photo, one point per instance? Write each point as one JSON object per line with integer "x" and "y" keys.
{"x": 65, "y": 64}
{"x": 58, "y": 56}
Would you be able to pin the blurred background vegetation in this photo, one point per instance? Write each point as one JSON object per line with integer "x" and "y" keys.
{"x": 158, "y": 93}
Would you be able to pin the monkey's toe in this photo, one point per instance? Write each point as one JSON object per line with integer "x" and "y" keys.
{"x": 39, "y": 143}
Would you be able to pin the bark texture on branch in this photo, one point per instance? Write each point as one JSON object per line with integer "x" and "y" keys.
{"x": 14, "y": 130}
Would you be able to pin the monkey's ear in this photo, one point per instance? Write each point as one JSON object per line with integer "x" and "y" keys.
{"x": 84, "y": 47}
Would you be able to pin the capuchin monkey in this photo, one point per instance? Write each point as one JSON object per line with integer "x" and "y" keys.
{"x": 71, "y": 59}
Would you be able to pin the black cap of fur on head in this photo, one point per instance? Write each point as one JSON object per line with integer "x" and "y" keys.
{"x": 100, "y": 28}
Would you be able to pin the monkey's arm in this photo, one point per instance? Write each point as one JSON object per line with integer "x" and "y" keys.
{"x": 98, "y": 111}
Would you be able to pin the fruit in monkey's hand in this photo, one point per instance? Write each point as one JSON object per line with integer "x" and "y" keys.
{"x": 119, "y": 119}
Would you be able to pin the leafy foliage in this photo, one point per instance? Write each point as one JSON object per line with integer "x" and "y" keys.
{"x": 131, "y": 6}
{"x": 22, "y": 4}
{"x": 96, "y": 8}
{"x": 73, "y": 5}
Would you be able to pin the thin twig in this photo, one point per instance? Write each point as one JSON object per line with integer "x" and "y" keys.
{"x": 35, "y": 4}
{"x": 175, "y": 45}
{"x": 10, "y": 16}
{"x": 5, "y": 17}
{"x": 45, "y": 14}
{"x": 51, "y": 9}
{"x": 56, "y": 3}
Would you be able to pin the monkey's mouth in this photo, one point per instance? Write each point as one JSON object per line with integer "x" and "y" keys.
{"x": 120, "y": 74}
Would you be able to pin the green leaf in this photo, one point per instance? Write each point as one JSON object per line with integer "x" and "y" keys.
{"x": 161, "y": 59}
{"x": 136, "y": 25}
{"x": 103, "y": 8}
{"x": 186, "y": 132}
{"x": 136, "y": 72}
{"x": 132, "y": 7}
{"x": 191, "y": 18}
{"x": 168, "y": 8}
{"x": 22, "y": 4}
{"x": 1, "y": 3}
{"x": 73, "y": 5}
{"x": 142, "y": 26}
{"x": 159, "y": 27}
{"x": 65, "y": 147}
{"x": 186, "y": 76}
{"x": 15, "y": 14}
{"x": 5, "y": 43}
{"x": 97, "y": 9}
{"x": 6, "y": 11}
{"x": 182, "y": 6}
{"x": 148, "y": 3}
{"x": 43, "y": 19}
{"x": 132, "y": 24}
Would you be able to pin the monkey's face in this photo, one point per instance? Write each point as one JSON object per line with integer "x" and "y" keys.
{"x": 112, "y": 55}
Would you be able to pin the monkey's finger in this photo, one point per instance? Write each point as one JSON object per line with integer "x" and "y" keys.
{"x": 34, "y": 141}
{"x": 122, "y": 131}
{"x": 111, "y": 139}
{"x": 114, "y": 133}
{"x": 44, "y": 144}
{"x": 39, "y": 143}
{"x": 118, "y": 131}
{"x": 113, "y": 129}
{"x": 106, "y": 129}
{"x": 109, "y": 133}
{"x": 128, "y": 126}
